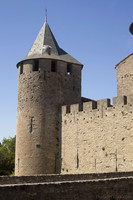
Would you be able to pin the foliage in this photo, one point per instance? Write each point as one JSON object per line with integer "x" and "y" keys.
{"x": 7, "y": 156}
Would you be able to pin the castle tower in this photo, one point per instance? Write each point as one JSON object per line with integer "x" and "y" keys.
{"x": 48, "y": 78}
{"x": 125, "y": 76}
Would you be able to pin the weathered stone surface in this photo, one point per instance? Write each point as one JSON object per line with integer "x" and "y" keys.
{"x": 98, "y": 140}
{"x": 12, "y": 180}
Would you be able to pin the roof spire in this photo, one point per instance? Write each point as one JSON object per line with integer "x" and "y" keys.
{"x": 46, "y": 46}
{"x": 46, "y": 15}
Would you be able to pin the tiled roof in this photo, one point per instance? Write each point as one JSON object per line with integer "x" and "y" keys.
{"x": 46, "y": 46}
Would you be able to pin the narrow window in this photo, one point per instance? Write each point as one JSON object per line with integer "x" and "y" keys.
{"x": 38, "y": 146}
{"x": 31, "y": 125}
{"x": 69, "y": 69}
{"x": 81, "y": 106}
{"x": 68, "y": 109}
{"x": 21, "y": 68}
{"x": 35, "y": 66}
{"x": 53, "y": 66}
{"x": 125, "y": 100}
{"x": 18, "y": 164}
{"x": 95, "y": 163}
{"x": 77, "y": 160}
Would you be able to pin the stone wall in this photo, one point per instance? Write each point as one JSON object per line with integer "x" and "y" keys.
{"x": 97, "y": 189}
{"x": 98, "y": 137}
{"x": 12, "y": 180}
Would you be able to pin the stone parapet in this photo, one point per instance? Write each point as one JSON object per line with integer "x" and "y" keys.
{"x": 98, "y": 106}
{"x": 106, "y": 188}
{"x": 14, "y": 180}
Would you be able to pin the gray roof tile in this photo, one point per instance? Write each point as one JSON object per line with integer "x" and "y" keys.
{"x": 46, "y": 46}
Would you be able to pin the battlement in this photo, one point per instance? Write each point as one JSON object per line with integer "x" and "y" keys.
{"x": 99, "y": 105}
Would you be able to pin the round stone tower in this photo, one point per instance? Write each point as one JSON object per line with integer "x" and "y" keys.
{"x": 48, "y": 78}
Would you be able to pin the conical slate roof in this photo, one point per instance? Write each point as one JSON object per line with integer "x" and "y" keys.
{"x": 46, "y": 46}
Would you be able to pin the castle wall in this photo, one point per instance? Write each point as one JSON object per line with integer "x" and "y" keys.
{"x": 98, "y": 138}
{"x": 14, "y": 180}
{"x": 40, "y": 95}
{"x": 125, "y": 76}
{"x": 102, "y": 189}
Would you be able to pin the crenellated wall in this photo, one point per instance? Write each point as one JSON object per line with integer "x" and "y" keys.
{"x": 97, "y": 136}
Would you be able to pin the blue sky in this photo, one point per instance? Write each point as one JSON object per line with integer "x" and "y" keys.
{"x": 95, "y": 32}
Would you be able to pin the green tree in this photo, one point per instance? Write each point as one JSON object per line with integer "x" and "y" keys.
{"x": 7, "y": 156}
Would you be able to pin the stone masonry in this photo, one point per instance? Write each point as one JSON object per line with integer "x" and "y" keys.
{"x": 101, "y": 135}
{"x": 108, "y": 186}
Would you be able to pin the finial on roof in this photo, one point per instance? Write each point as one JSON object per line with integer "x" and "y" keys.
{"x": 46, "y": 15}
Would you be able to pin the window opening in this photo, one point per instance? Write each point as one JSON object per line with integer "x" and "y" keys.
{"x": 31, "y": 125}
{"x": 81, "y": 107}
{"x": 125, "y": 100}
{"x": 18, "y": 164}
{"x": 77, "y": 160}
{"x": 53, "y": 66}
{"x": 69, "y": 69}
{"x": 68, "y": 109}
{"x": 36, "y": 65}
{"x": 21, "y": 68}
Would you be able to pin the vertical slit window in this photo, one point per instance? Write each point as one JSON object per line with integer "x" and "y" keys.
{"x": 77, "y": 160}
{"x": 53, "y": 66}
{"x": 36, "y": 65}
{"x": 69, "y": 69}
{"x": 68, "y": 109}
{"x": 18, "y": 164}
{"x": 81, "y": 107}
{"x": 21, "y": 68}
{"x": 31, "y": 125}
{"x": 125, "y": 100}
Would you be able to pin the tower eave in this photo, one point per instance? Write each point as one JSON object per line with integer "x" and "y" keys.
{"x": 65, "y": 58}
